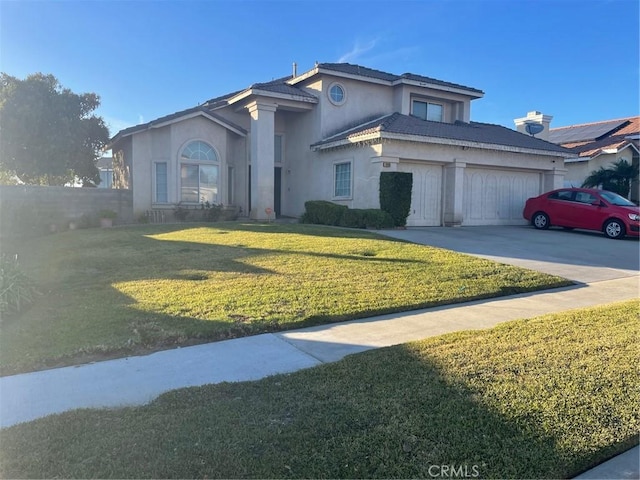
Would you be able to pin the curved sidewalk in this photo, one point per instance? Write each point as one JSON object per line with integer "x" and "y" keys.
{"x": 138, "y": 380}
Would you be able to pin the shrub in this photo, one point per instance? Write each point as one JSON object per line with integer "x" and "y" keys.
{"x": 211, "y": 212}
{"x": 180, "y": 213}
{"x": 323, "y": 212}
{"x": 395, "y": 195}
{"x": 16, "y": 289}
{"x": 376, "y": 218}
{"x": 366, "y": 218}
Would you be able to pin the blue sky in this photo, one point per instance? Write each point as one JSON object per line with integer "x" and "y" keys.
{"x": 575, "y": 60}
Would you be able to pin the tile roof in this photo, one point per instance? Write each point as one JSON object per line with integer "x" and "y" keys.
{"x": 607, "y": 135}
{"x": 283, "y": 86}
{"x": 174, "y": 116}
{"x": 486, "y": 133}
{"x": 379, "y": 75}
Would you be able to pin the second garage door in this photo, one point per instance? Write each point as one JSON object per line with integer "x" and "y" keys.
{"x": 497, "y": 197}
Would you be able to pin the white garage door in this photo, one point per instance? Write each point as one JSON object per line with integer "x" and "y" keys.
{"x": 496, "y": 197}
{"x": 426, "y": 194}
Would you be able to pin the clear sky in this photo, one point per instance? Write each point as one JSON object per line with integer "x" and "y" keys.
{"x": 577, "y": 60}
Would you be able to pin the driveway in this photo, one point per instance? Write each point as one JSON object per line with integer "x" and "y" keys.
{"x": 583, "y": 257}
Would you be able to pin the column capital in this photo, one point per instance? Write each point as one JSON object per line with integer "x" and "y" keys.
{"x": 262, "y": 107}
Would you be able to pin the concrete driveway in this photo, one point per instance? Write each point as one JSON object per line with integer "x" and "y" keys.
{"x": 583, "y": 257}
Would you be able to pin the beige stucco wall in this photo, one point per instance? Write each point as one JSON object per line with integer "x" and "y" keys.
{"x": 578, "y": 171}
{"x": 164, "y": 145}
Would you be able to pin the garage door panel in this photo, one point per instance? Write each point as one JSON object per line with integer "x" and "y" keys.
{"x": 497, "y": 197}
{"x": 426, "y": 194}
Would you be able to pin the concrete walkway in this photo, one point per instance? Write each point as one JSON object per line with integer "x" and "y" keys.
{"x": 138, "y": 380}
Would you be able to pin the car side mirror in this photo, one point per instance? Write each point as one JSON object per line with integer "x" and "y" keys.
{"x": 598, "y": 203}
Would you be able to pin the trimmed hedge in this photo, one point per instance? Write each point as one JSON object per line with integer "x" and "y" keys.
{"x": 366, "y": 218}
{"x": 323, "y": 212}
{"x": 395, "y": 195}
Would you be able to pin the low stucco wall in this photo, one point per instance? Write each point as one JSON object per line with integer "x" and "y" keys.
{"x": 35, "y": 209}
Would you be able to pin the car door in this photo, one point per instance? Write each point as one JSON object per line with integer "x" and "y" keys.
{"x": 590, "y": 211}
{"x": 560, "y": 206}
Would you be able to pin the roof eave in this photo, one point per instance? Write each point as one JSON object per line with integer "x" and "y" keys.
{"x": 151, "y": 126}
{"x": 438, "y": 141}
{"x": 473, "y": 93}
{"x": 269, "y": 94}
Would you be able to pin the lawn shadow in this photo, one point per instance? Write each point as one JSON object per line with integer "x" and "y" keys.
{"x": 409, "y": 418}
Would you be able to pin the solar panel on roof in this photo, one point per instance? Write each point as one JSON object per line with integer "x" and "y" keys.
{"x": 583, "y": 132}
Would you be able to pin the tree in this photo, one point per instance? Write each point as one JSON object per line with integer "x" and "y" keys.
{"x": 616, "y": 178}
{"x": 48, "y": 134}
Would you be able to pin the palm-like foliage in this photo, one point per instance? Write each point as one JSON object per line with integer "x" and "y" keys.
{"x": 616, "y": 178}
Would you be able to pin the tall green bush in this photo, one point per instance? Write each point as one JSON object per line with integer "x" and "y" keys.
{"x": 395, "y": 195}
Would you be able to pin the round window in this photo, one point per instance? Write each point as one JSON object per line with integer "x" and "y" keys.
{"x": 336, "y": 94}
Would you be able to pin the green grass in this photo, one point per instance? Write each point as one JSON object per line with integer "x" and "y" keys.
{"x": 540, "y": 398}
{"x": 120, "y": 291}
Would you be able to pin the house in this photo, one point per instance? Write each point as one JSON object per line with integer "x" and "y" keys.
{"x": 105, "y": 167}
{"x": 327, "y": 134}
{"x": 599, "y": 144}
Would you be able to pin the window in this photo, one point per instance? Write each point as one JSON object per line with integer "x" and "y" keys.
{"x": 562, "y": 195}
{"x": 277, "y": 149}
{"x": 427, "y": 111}
{"x": 584, "y": 197}
{"x": 337, "y": 94}
{"x": 161, "y": 192}
{"x": 199, "y": 173}
{"x": 342, "y": 179}
{"x": 106, "y": 178}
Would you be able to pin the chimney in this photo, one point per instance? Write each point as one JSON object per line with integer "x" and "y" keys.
{"x": 295, "y": 70}
{"x": 534, "y": 118}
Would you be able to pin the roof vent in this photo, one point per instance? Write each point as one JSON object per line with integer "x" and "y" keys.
{"x": 295, "y": 69}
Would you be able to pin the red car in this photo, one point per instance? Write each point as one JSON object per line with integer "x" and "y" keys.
{"x": 584, "y": 208}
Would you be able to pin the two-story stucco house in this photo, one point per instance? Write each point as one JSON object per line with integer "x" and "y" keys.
{"x": 327, "y": 134}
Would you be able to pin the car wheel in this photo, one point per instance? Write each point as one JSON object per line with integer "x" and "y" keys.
{"x": 614, "y": 229}
{"x": 540, "y": 220}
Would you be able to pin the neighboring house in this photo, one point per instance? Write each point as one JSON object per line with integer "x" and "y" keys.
{"x": 599, "y": 144}
{"x": 327, "y": 134}
{"x": 105, "y": 166}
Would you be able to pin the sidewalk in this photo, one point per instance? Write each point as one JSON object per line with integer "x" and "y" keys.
{"x": 138, "y": 380}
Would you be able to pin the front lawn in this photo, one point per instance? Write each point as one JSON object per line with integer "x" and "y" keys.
{"x": 539, "y": 398}
{"x": 114, "y": 292}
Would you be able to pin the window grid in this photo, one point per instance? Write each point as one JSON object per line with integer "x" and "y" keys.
{"x": 342, "y": 180}
{"x": 199, "y": 173}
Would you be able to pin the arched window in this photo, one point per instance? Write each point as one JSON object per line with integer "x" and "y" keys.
{"x": 199, "y": 168}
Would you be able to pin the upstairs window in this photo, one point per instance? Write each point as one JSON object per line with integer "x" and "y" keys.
{"x": 427, "y": 111}
{"x": 199, "y": 167}
{"x": 337, "y": 94}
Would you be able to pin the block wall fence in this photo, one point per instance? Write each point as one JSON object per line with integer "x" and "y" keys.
{"x": 34, "y": 209}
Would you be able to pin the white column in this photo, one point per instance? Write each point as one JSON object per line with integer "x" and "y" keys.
{"x": 554, "y": 179}
{"x": 262, "y": 159}
{"x": 453, "y": 193}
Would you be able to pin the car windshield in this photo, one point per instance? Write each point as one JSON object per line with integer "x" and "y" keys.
{"x": 615, "y": 199}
